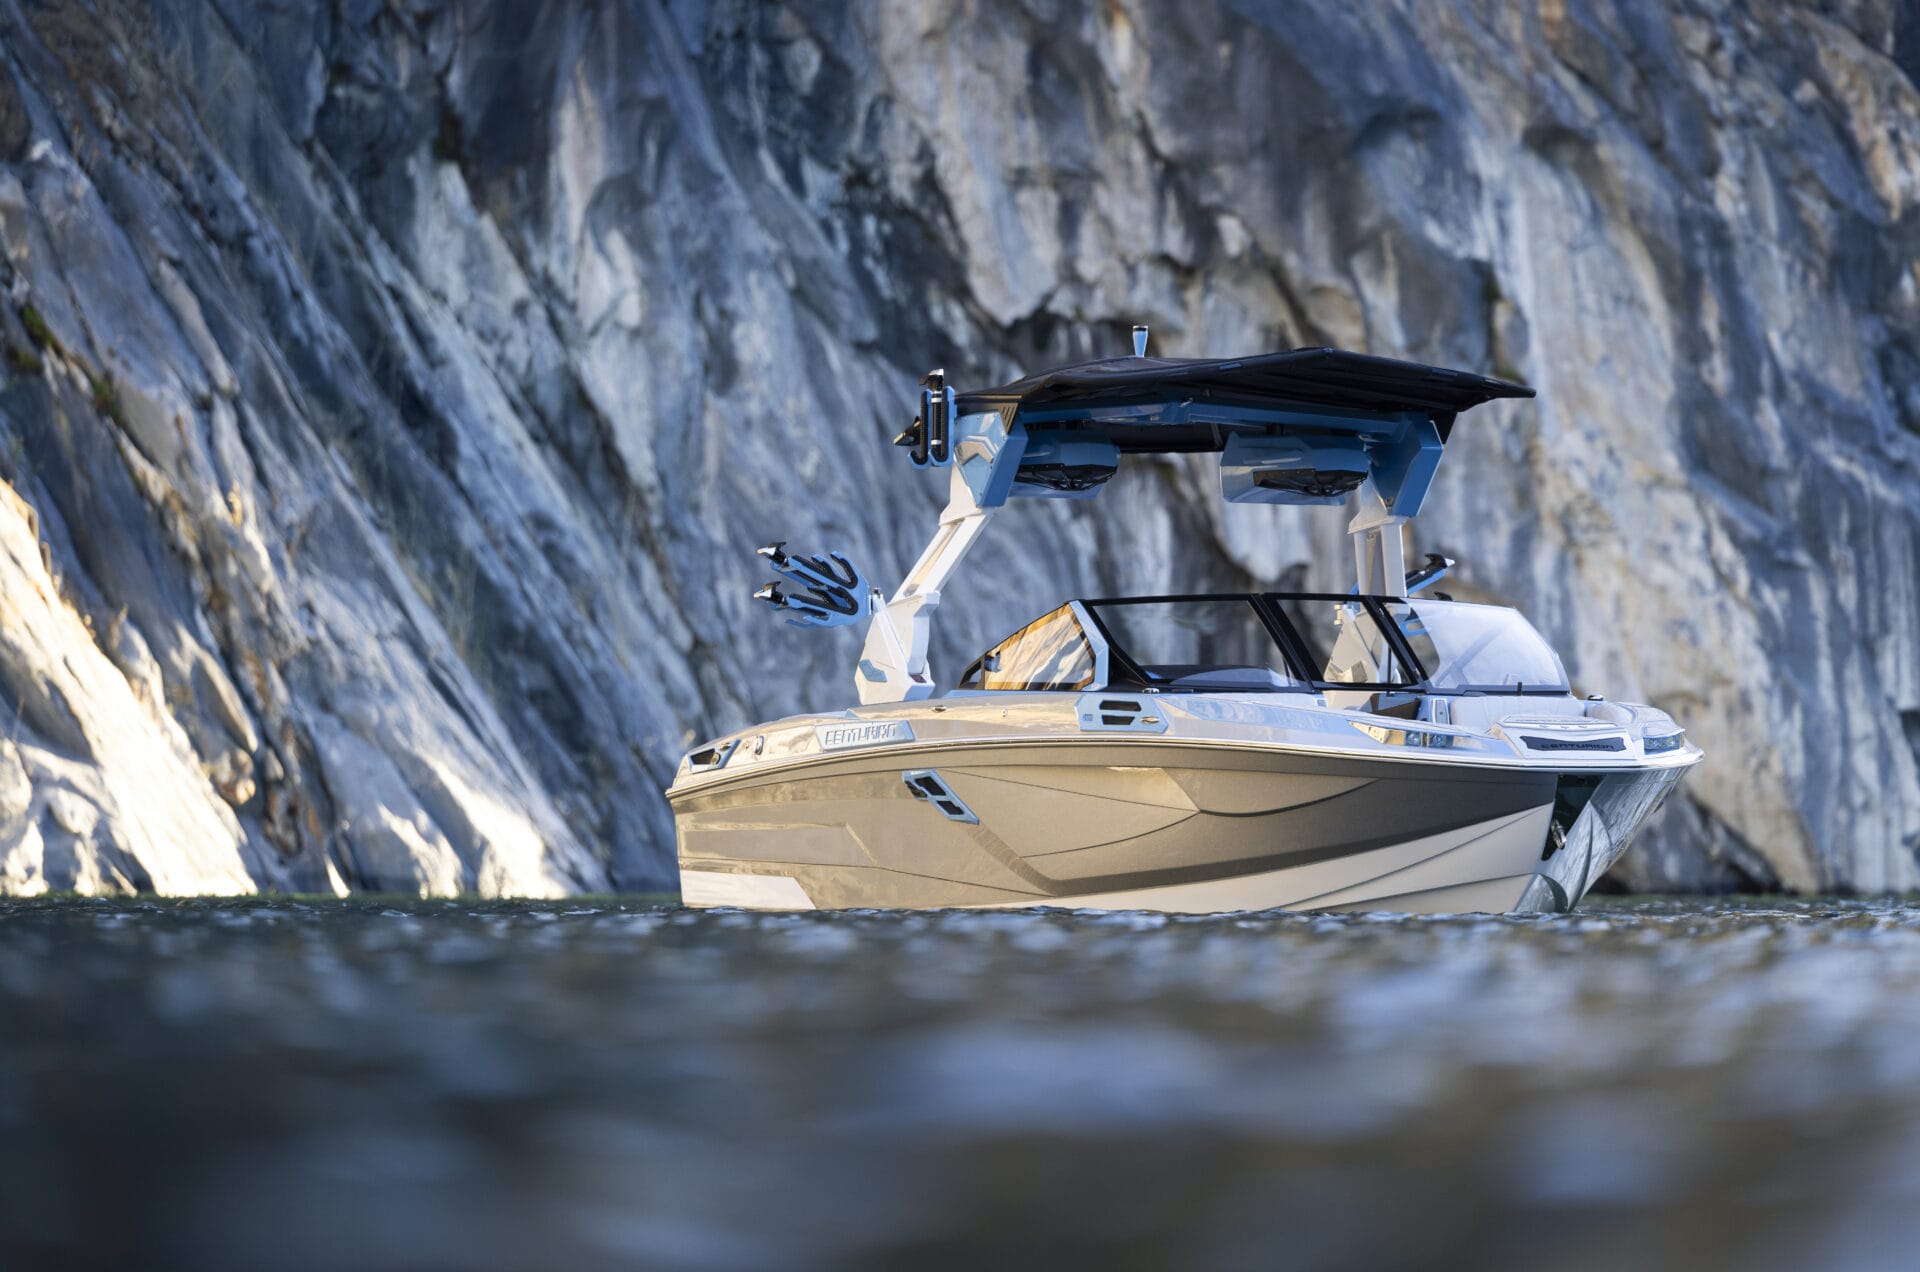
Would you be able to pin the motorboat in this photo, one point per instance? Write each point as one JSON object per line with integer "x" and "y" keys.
{"x": 1381, "y": 748}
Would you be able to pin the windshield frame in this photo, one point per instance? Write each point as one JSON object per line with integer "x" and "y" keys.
{"x": 1294, "y": 649}
{"x": 1307, "y": 677}
{"x": 1121, "y": 661}
{"x": 1298, "y": 648}
{"x": 1094, "y": 639}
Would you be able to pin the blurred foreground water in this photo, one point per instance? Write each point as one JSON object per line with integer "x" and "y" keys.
{"x": 287, "y": 1084}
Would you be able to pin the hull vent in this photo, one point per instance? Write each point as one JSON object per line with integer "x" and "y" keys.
{"x": 712, "y": 757}
{"x": 1104, "y": 714}
{"x": 930, "y": 786}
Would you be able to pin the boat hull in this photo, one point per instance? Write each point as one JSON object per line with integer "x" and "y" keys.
{"x": 1168, "y": 825}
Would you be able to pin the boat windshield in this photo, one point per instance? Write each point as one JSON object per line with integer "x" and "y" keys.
{"x": 1276, "y": 641}
{"x": 1344, "y": 643}
{"x": 1215, "y": 644}
{"x": 1050, "y": 653}
{"x": 1478, "y": 647}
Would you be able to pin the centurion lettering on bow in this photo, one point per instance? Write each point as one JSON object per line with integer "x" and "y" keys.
{"x": 835, "y": 737}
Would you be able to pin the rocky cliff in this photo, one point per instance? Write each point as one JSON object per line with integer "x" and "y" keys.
{"x": 392, "y": 393}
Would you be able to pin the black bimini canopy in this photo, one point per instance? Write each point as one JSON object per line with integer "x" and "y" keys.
{"x": 1325, "y": 378}
{"x": 1307, "y": 426}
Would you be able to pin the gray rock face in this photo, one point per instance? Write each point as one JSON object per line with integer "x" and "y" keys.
{"x": 393, "y": 394}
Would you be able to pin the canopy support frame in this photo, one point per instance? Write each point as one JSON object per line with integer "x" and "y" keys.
{"x": 1379, "y": 549}
{"x": 893, "y": 662}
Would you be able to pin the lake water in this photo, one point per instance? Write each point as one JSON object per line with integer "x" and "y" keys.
{"x": 283, "y": 1084}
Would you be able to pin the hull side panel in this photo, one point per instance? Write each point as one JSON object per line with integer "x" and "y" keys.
{"x": 1415, "y": 877}
{"x": 744, "y": 891}
{"x": 1488, "y": 896}
{"x": 1345, "y": 831}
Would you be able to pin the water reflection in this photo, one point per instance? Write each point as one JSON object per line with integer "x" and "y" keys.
{"x": 582, "y": 1084}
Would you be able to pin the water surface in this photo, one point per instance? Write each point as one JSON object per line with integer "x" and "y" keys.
{"x": 290, "y": 1084}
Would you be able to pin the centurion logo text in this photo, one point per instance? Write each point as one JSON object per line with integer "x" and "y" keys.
{"x": 834, "y": 737}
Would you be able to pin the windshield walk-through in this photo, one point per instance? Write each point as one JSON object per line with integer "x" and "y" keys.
{"x": 1219, "y": 643}
{"x": 1344, "y": 643}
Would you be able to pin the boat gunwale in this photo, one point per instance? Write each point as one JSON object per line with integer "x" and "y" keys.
{"x": 719, "y": 779}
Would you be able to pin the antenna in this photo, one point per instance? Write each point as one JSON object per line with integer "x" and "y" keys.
{"x": 1139, "y": 340}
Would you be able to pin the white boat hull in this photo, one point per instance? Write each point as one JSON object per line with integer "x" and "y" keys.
{"x": 1481, "y": 868}
{"x": 1161, "y": 824}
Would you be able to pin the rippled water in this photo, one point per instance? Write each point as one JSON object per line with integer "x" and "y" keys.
{"x": 595, "y": 1084}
